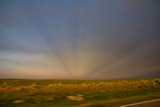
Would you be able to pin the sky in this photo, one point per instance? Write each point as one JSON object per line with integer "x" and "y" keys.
{"x": 79, "y": 39}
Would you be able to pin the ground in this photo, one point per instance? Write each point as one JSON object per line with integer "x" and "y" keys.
{"x": 79, "y": 93}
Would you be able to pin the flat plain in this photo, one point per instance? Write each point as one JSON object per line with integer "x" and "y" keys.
{"x": 77, "y": 93}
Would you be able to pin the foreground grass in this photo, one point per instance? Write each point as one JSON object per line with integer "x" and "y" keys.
{"x": 83, "y": 93}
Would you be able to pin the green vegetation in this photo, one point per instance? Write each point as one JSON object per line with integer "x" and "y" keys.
{"x": 79, "y": 93}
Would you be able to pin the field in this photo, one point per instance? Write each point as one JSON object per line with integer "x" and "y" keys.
{"x": 76, "y": 93}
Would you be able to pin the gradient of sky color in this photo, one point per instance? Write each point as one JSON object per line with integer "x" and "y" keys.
{"x": 79, "y": 39}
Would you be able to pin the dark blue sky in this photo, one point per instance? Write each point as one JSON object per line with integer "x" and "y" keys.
{"x": 86, "y": 39}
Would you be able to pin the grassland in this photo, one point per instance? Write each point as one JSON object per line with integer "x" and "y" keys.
{"x": 76, "y": 93}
